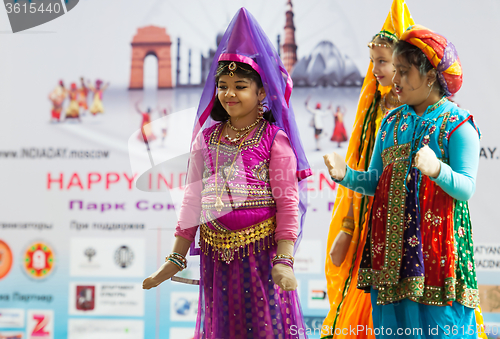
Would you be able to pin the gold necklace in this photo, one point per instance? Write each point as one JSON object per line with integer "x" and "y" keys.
{"x": 237, "y": 138}
{"x": 219, "y": 205}
{"x": 246, "y": 130}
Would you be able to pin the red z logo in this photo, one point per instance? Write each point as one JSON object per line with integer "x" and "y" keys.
{"x": 39, "y": 330}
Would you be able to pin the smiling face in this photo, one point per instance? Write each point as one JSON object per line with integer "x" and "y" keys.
{"x": 239, "y": 96}
{"x": 410, "y": 86}
{"x": 383, "y": 68}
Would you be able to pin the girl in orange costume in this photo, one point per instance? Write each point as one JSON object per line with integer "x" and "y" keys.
{"x": 97, "y": 106}
{"x": 73, "y": 110}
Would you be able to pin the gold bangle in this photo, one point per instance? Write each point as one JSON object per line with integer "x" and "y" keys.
{"x": 347, "y": 231}
{"x": 348, "y": 224}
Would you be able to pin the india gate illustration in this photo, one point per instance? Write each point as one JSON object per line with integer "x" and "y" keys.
{"x": 151, "y": 40}
{"x": 325, "y": 65}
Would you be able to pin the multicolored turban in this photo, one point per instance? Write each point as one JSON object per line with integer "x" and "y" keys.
{"x": 441, "y": 53}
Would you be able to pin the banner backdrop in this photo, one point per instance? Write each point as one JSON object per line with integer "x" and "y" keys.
{"x": 88, "y": 208}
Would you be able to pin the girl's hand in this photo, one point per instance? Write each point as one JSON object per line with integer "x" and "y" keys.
{"x": 339, "y": 248}
{"x": 282, "y": 274}
{"x": 165, "y": 272}
{"x": 284, "y": 277}
{"x": 427, "y": 162}
{"x": 336, "y": 165}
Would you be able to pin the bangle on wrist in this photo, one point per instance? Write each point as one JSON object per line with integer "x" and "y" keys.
{"x": 178, "y": 260}
{"x": 347, "y": 231}
{"x": 284, "y": 259}
{"x": 348, "y": 225}
{"x": 285, "y": 262}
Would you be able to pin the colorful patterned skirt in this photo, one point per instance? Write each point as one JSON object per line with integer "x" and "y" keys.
{"x": 240, "y": 300}
{"x": 418, "y": 259}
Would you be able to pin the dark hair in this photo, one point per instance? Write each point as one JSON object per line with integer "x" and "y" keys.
{"x": 414, "y": 56}
{"x": 243, "y": 70}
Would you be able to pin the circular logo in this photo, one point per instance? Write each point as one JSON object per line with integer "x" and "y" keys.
{"x": 5, "y": 259}
{"x": 124, "y": 256}
{"x": 39, "y": 260}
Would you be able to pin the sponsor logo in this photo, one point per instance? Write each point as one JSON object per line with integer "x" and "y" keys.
{"x": 124, "y": 256}
{"x": 89, "y": 253}
{"x": 39, "y": 260}
{"x": 105, "y": 298}
{"x": 107, "y": 257}
{"x": 183, "y": 306}
{"x": 11, "y": 317}
{"x": 11, "y": 335}
{"x": 106, "y": 328}
{"x": 317, "y": 296}
{"x": 490, "y": 298}
{"x": 85, "y": 298}
{"x": 40, "y": 324}
{"x": 5, "y": 259}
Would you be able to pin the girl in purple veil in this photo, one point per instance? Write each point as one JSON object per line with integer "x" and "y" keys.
{"x": 244, "y": 193}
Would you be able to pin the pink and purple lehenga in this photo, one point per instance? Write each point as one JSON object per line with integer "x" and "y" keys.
{"x": 263, "y": 196}
{"x": 238, "y": 298}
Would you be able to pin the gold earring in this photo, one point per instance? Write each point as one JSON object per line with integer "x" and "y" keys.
{"x": 261, "y": 109}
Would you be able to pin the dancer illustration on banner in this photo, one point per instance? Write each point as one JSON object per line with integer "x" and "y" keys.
{"x": 164, "y": 129}
{"x": 422, "y": 173}
{"x": 97, "y": 106}
{"x": 242, "y": 155}
{"x": 57, "y": 97}
{"x": 339, "y": 133}
{"x": 146, "y": 134}
{"x": 316, "y": 121}
{"x": 82, "y": 97}
{"x": 73, "y": 109}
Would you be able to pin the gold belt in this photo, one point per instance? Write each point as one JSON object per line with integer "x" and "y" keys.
{"x": 225, "y": 245}
{"x": 249, "y": 203}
